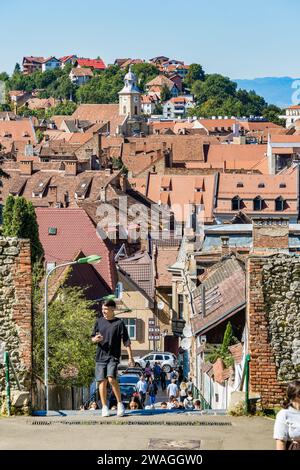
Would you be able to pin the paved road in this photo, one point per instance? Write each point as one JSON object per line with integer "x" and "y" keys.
{"x": 136, "y": 432}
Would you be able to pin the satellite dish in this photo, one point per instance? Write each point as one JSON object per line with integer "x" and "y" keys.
{"x": 160, "y": 305}
{"x": 186, "y": 343}
{"x": 187, "y": 331}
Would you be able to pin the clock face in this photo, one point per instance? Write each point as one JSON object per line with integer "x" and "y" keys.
{"x": 136, "y": 99}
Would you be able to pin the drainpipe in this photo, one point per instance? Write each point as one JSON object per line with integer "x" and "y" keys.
{"x": 247, "y": 374}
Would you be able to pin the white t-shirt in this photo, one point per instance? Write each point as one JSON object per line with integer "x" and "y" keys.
{"x": 172, "y": 389}
{"x": 287, "y": 425}
{"x": 142, "y": 386}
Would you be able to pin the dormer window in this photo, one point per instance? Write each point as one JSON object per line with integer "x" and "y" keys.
{"x": 279, "y": 204}
{"x": 236, "y": 203}
{"x": 240, "y": 184}
{"x": 257, "y": 204}
{"x": 261, "y": 185}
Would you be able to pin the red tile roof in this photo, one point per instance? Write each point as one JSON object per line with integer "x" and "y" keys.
{"x": 75, "y": 233}
{"x": 184, "y": 190}
{"x": 97, "y": 64}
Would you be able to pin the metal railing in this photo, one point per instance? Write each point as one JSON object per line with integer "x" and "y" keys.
{"x": 198, "y": 395}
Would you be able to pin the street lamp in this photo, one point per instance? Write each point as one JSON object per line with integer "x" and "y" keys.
{"x": 93, "y": 259}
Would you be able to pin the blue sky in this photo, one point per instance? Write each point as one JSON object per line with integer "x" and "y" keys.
{"x": 238, "y": 39}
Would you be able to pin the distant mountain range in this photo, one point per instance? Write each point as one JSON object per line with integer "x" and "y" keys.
{"x": 275, "y": 90}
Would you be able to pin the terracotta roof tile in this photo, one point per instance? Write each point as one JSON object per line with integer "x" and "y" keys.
{"x": 100, "y": 113}
{"x": 183, "y": 192}
{"x": 75, "y": 233}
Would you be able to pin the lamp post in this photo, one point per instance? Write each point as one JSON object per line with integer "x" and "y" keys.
{"x": 88, "y": 260}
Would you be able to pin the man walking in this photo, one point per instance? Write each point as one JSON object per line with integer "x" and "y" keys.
{"x": 172, "y": 389}
{"x": 142, "y": 388}
{"x": 107, "y": 334}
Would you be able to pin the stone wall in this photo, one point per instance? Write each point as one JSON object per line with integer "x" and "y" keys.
{"x": 273, "y": 316}
{"x": 15, "y": 309}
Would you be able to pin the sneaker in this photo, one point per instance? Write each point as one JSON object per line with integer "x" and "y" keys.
{"x": 121, "y": 409}
{"x": 105, "y": 412}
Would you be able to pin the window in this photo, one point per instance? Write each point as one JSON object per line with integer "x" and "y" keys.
{"x": 261, "y": 185}
{"x": 131, "y": 327}
{"x": 236, "y": 204}
{"x": 240, "y": 185}
{"x": 257, "y": 204}
{"x": 180, "y": 306}
{"x": 52, "y": 230}
{"x": 135, "y": 110}
{"x": 279, "y": 204}
{"x": 159, "y": 357}
{"x": 282, "y": 185}
{"x": 149, "y": 358}
{"x": 217, "y": 397}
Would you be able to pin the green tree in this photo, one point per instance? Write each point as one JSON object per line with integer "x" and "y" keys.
{"x": 19, "y": 222}
{"x": 165, "y": 93}
{"x": 63, "y": 109}
{"x": 39, "y": 135}
{"x": 71, "y": 352}
{"x": 17, "y": 68}
{"x": 222, "y": 352}
{"x": 31, "y": 231}
{"x": 4, "y": 77}
{"x": 272, "y": 113}
{"x": 227, "y": 339}
{"x": 145, "y": 73}
{"x": 8, "y": 211}
{"x": 195, "y": 73}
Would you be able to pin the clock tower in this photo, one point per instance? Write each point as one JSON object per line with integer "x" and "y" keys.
{"x": 130, "y": 97}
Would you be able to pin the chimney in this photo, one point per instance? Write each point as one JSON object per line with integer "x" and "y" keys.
{"x": 270, "y": 235}
{"x": 26, "y": 167}
{"x": 132, "y": 148}
{"x": 108, "y": 171}
{"x": 225, "y": 245}
{"x": 28, "y": 150}
{"x": 52, "y": 194}
{"x": 70, "y": 168}
{"x": 103, "y": 194}
{"x": 123, "y": 183}
{"x": 145, "y": 147}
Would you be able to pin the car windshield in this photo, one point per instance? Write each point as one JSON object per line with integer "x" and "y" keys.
{"x": 127, "y": 390}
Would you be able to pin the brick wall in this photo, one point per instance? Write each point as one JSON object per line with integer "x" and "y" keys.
{"x": 15, "y": 311}
{"x": 270, "y": 235}
{"x": 263, "y": 371}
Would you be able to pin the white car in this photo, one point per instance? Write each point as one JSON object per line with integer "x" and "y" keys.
{"x": 167, "y": 361}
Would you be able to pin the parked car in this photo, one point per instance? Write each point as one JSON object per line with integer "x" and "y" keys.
{"x": 127, "y": 390}
{"x": 167, "y": 360}
{"x": 129, "y": 379}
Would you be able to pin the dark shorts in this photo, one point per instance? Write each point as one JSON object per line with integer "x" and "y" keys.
{"x": 106, "y": 368}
